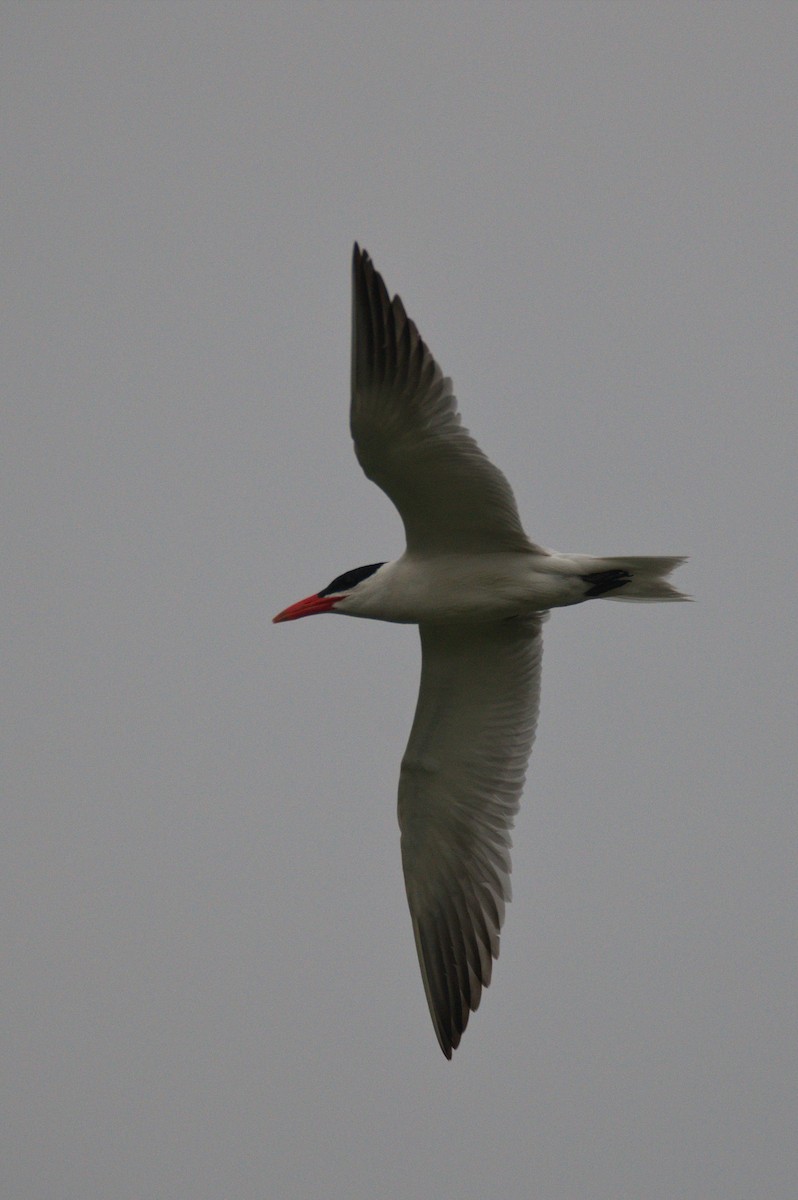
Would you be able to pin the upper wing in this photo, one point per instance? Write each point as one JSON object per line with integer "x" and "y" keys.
{"x": 408, "y": 437}
{"x": 459, "y": 789}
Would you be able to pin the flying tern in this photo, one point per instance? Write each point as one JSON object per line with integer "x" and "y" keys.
{"x": 478, "y": 589}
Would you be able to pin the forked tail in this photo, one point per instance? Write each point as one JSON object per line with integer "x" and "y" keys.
{"x": 632, "y": 579}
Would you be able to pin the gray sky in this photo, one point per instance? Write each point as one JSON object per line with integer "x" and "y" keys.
{"x": 210, "y": 988}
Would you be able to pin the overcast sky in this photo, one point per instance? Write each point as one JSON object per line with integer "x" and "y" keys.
{"x": 210, "y": 987}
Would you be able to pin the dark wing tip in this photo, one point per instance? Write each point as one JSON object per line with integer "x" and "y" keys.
{"x": 360, "y": 258}
{"x": 454, "y": 971}
{"x": 364, "y": 272}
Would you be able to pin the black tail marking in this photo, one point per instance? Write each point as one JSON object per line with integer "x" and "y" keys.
{"x": 601, "y": 582}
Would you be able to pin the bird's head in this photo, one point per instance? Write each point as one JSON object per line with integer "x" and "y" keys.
{"x": 332, "y": 598}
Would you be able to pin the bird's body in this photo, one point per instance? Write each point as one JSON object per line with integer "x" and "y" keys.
{"x": 483, "y": 587}
{"x": 479, "y": 589}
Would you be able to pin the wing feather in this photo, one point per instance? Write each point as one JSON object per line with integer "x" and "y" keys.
{"x": 408, "y": 437}
{"x": 459, "y": 790}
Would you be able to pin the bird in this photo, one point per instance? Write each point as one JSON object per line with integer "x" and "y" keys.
{"x": 479, "y": 591}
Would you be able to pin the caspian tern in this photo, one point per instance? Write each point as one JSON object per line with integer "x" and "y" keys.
{"x": 478, "y": 590}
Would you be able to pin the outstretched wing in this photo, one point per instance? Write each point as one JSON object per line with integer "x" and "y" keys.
{"x": 408, "y": 437}
{"x": 459, "y": 790}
